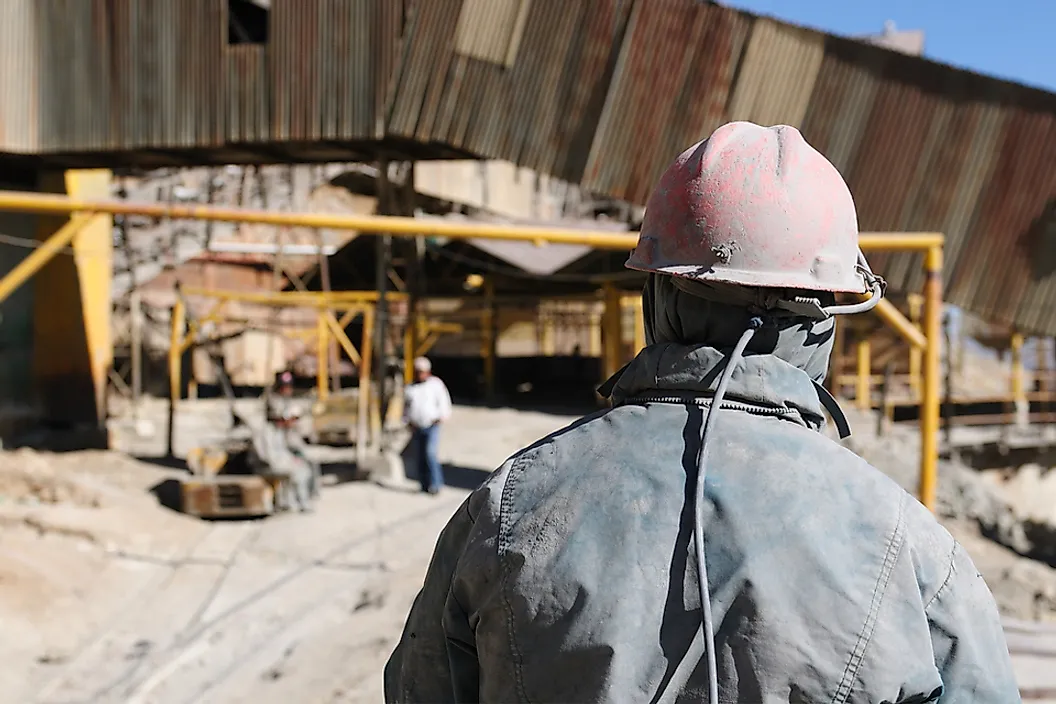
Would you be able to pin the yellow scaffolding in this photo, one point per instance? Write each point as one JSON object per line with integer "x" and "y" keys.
{"x": 927, "y": 339}
{"x": 350, "y": 303}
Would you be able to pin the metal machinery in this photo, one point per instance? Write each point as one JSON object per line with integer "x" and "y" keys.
{"x": 334, "y": 420}
{"x": 221, "y": 483}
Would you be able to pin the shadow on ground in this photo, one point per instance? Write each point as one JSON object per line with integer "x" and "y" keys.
{"x": 166, "y": 462}
{"x": 167, "y": 492}
{"x": 456, "y": 476}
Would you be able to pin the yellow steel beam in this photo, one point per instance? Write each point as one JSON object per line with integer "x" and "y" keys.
{"x": 427, "y": 343}
{"x": 916, "y": 305}
{"x": 41, "y": 256}
{"x": 929, "y": 407}
{"x": 900, "y": 324}
{"x": 611, "y": 331}
{"x": 863, "y": 392}
{"x": 179, "y": 317}
{"x": 342, "y": 338}
{"x": 322, "y": 356}
{"x": 444, "y": 327}
{"x": 195, "y": 326}
{"x": 363, "y": 406}
{"x": 639, "y": 327}
{"x": 332, "y": 299}
{"x": 386, "y": 224}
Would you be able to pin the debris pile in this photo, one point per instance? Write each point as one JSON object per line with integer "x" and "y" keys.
{"x": 1013, "y": 545}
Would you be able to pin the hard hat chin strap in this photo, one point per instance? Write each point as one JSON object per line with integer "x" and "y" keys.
{"x": 811, "y": 307}
{"x": 777, "y": 302}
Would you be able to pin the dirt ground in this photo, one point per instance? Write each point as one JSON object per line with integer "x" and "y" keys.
{"x": 106, "y": 596}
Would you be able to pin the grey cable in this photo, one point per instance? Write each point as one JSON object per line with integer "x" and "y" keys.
{"x": 698, "y": 527}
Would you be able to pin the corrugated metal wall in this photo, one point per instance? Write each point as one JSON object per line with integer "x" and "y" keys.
{"x": 687, "y": 51}
{"x": 127, "y": 74}
{"x": 329, "y": 67}
{"x": 928, "y": 148}
{"x": 18, "y": 79}
{"x": 602, "y": 93}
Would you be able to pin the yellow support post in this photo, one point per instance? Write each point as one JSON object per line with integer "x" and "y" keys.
{"x": 864, "y": 380}
{"x": 178, "y": 322}
{"x": 409, "y": 352}
{"x": 488, "y": 342}
{"x": 363, "y": 406}
{"x": 595, "y": 346}
{"x": 195, "y": 326}
{"x": 612, "y": 332}
{"x": 898, "y": 322}
{"x": 916, "y": 304}
{"x": 1019, "y": 394}
{"x": 338, "y": 333}
{"x": 639, "y": 326}
{"x": 322, "y": 355}
{"x": 549, "y": 342}
{"x": 929, "y": 407}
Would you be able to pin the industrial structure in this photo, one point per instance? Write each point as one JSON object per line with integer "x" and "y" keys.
{"x": 598, "y": 94}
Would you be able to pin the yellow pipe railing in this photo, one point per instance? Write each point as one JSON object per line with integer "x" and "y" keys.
{"x": 41, "y": 256}
{"x": 929, "y": 407}
{"x": 929, "y": 242}
{"x": 387, "y": 224}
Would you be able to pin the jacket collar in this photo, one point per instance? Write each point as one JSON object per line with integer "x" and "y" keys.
{"x": 693, "y": 370}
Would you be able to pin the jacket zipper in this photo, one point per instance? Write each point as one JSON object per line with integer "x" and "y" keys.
{"x": 725, "y": 405}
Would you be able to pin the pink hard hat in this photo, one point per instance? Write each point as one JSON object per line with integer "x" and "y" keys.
{"x": 755, "y": 206}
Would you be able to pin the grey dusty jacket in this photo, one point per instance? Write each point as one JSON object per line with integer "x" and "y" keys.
{"x": 569, "y": 576}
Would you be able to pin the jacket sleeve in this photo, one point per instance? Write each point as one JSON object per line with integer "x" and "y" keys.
{"x": 435, "y": 660}
{"x": 967, "y": 638}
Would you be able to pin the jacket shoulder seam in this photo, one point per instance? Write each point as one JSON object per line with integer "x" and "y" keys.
{"x": 505, "y": 508}
{"x": 945, "y": 582}
{"x": 891, "y": 553}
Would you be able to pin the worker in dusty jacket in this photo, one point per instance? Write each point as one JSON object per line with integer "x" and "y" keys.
{"x": 703, "y": 540}
{"x": 280, "y": 446}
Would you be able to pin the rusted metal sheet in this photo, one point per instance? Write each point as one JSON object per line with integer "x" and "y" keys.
{"x": 534, "y": 98}
{"x": 126, "y": 74}
{"x": 248, "y": 109}
{"x": 929, "y": 148}
{"x": 329, "y": 67}
{"x": 994, "y": 276}
{"x": 672, "y": 48}
{"x": 19, "y": 77}
{"x": 777, "y": 74}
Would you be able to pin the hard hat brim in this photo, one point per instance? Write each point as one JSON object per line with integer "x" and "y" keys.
{"x": 761, "y": 279}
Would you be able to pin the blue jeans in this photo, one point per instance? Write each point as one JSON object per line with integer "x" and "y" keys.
{"x": 430, "y": 473}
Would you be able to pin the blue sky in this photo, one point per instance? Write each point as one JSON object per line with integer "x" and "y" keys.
{"x": 1012, "y": 39}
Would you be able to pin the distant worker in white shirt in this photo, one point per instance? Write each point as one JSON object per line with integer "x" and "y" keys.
{"x": 427, "y": 404}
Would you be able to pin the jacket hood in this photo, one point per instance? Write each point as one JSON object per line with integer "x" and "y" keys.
{"x": 763, "y": 380}
{"x": 690, "y": 337}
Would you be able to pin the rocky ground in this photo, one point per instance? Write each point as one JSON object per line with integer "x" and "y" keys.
{"x": 1013, "y": 548}
{"x": 106, "y": 596}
